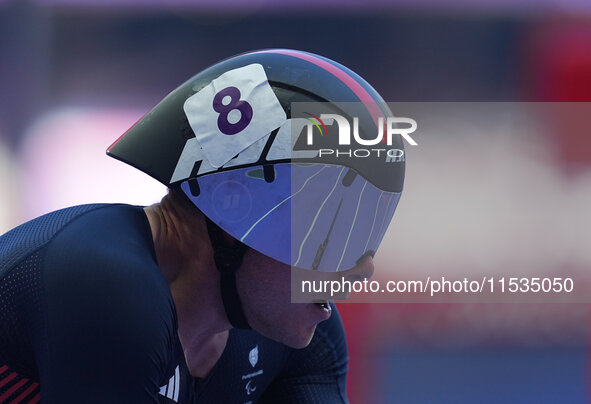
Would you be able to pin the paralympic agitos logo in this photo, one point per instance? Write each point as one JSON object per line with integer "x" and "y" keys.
{"x": 383, "y": 136}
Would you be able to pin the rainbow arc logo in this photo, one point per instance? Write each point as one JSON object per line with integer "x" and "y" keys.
{"x": 317, "y": 122}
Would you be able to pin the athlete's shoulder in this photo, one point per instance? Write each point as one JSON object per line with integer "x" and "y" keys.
{"x": 115, "y": 233}
{"x": 37, "y": 233}
{"x": 29, "y": 237}
{"x": 107, "y": 249}
{"x": 103, "y": 300}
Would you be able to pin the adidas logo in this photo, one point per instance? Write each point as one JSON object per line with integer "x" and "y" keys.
{"x": 171, "y": 390}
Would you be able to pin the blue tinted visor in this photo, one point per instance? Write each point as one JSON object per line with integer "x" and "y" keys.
{"x": 311, "y": 216}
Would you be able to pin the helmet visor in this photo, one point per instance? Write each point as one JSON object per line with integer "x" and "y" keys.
{"x": 311, "y": 216}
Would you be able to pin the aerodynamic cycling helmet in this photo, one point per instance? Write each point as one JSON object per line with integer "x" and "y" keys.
{"x": 243, "y": 141}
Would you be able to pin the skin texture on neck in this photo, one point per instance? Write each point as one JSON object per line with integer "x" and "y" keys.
{"x": 185, "y": 257}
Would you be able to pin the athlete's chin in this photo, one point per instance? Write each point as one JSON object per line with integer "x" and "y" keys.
{"x": 300, "y": 339}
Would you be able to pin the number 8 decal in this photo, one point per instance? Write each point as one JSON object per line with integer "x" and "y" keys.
{"x": 224, "y": 125}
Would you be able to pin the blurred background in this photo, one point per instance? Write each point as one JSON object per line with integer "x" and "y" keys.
{"x": 75, "y": 74}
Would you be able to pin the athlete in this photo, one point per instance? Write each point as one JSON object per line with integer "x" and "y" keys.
{"x": 189, "y": 300}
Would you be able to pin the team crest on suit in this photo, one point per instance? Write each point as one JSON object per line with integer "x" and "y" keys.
{"x": 253, "y": 356}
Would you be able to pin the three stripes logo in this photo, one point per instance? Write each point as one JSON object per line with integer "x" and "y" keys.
{"x": 171, "y": 390}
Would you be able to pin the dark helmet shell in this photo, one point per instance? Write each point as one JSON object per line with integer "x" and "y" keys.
{"x": 155, "y": 143}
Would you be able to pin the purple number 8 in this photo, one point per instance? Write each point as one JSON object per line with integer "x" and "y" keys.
{"x": 225, "y": 126}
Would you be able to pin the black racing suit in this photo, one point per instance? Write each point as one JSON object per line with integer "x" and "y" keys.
{"x": 86, "y": 316}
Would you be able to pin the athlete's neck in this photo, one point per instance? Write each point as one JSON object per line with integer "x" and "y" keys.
{"x": 185, "y": 257}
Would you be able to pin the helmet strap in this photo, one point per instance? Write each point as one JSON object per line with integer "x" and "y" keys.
{"x": 228, "y": 260}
